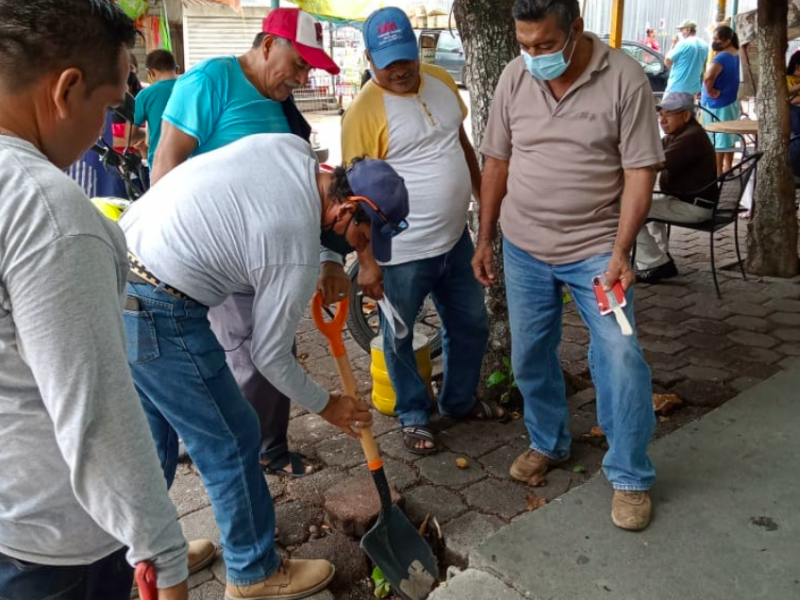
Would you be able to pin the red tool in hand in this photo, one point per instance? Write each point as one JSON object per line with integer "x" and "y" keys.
{"x": 145, "y": 576}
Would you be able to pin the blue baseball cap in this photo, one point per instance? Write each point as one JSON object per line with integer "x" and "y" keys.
{"x": 384, "y": 198}
{"x": 389, "y": 37}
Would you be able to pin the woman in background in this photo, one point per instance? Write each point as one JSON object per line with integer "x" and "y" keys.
{"x": 721, "y": 91}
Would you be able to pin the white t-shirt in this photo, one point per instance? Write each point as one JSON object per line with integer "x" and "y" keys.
{"x": 418, "y": 135}
{"x": 244, "y": 219}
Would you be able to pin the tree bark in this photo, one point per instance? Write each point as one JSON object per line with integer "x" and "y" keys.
{"x": 487, "y": 33}
{"x": 772, "y": 235}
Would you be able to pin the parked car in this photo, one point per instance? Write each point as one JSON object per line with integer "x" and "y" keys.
{"x": 652, "y": 62}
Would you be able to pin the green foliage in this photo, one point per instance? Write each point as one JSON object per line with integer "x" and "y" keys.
{"x": 503, "y": 379}
{"x": 382, "y": 587}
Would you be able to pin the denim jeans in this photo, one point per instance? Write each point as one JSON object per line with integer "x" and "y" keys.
{"x": 620, "y": 373}
{"x": 187, "y": 390}
{"x": 109, "y": 578}
{"x": 458, "y": 298}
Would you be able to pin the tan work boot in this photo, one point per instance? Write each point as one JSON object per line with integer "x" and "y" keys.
{"x": 292, "y": 580}
{"x": 631, "y": 510}
{"x": 201, "y": 554}
{"x": 531, "y": 466}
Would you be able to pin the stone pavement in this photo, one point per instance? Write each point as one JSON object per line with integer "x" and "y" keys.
{"x": 703, "y": 349}
{"x": 725, "y": 520}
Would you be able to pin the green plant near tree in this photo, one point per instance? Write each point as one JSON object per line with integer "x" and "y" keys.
{"x": 503, "y": 380}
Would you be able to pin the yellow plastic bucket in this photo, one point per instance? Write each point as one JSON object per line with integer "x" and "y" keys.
{"x": 111, "y": 207}
{"x": 383, "y": 396}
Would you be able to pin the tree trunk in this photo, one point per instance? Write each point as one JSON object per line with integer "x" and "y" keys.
{"x": 772, "y": 235}
{"x": 487, "y": 33}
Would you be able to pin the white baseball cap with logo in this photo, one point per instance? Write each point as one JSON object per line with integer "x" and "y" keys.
{"x": 305, "y": 33}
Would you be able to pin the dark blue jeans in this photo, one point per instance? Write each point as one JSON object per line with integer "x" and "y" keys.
{"x": 109, "y": 578}
{"x": 187, "y": 390}
{"x": 458, "y": 297}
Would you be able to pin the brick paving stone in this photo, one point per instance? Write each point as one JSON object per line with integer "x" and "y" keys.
{"x": 498, "y": 463}
{"x": 661, "y": 314}
{"x": 210, "y": 590}
{"x": 571, "y": 352}
{"x": 441, "y": 469}
{"x": 668, "y": 289}
{"x": 312, "y": 488}
{"x": 467, "y": 532}
{"x": 505, "y": 499}
{"x": 756, "y": 370}
{"x": 276, "y": 485}
{"x": 751, "y": 338}
{"x": 749, "y": 354}
{"x": 697, "y": 392}
{"x": 200, "y": 525}
{"x": 588, "y": 456}
{"x": 578, "y": 368}
{"x": 788, "y": 334}
{"x": 708, "y": 373}
{"x": 750, "y": 323}
{"x": 571, "y": 333}
{"x": 293, "y": 520}
{"x": 582, "y": 399}
{"x": 790, "y": 362}
{"x": 381, "y": 423}
{"x": 203, "y": 576}
{"x": 342, "y": 451}
{"x": 476, "y": 438}
{"x": 435, "y": 500}
{"x": 297, "y": 411}
{"x": 706, "y": 310}
{"x": 661, "y": 345}
{"x": 345, "y": 554}
{"x": 748, "y": 309}
{"x": 744, "y": 383}
{"x": 706, "y": 358}
{"x": 666, "y": 362}
{"x": 400, "y": 474}
{"x": 352, "y": 505}
{"x": 661, "y": 329}
{"x": 581, "y": 422}
{"x": 790, "y": 349}
{"x": 705, "y": 341}
{"x": 669, "y": 302}
{"x": 708, "y": 326}
{"x": 188, "y": 492}
{"x": 666, "y": 378}
{"x": 309, "y": 430}
{"x": 785, "y": 290}
{"x": 754, "y": 297}
{"x": 786, "y": 318}
{"x": 392, "y": 445}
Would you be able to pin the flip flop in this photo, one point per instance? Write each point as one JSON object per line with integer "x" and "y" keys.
{"x": 277, "y": 466}
{"x": 414, "y": 434}
{"x": 484, "y": 411}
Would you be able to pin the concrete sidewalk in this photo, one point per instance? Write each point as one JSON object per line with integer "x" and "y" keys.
{"x": 726, "y": 523}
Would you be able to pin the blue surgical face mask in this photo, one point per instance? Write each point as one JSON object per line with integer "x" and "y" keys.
{"x": 549, "y": 66}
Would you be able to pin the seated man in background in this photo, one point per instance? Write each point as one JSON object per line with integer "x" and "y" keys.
{"x": 687, "y": 185}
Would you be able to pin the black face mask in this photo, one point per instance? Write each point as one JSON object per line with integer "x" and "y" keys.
{"x": 717, "y": 46}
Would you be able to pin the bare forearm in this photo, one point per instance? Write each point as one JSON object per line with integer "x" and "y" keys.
{"x": 493, "y": 190}
{"x": 637, "y": 196}
{"x": 163, "y": 163}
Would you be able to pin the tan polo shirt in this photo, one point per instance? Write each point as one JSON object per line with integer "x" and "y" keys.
{"x": 567, "y": 158}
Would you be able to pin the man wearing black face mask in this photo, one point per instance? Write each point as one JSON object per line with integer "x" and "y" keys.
{"x": 570, "y": 149}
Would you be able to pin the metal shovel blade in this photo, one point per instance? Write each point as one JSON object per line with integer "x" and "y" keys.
{"x": 402, "y": 554}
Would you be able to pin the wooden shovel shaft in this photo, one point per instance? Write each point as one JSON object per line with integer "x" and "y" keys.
{"x": 368, "y": 443}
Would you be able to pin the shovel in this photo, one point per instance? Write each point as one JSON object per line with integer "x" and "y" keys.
{"x": 145, "y": 576}
{"x": 393, "y": 543}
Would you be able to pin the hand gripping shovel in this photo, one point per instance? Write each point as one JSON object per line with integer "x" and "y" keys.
{"x": 393, "y": 543}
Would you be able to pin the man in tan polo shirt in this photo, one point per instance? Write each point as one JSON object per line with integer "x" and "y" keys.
{"x": 570, "y": 148}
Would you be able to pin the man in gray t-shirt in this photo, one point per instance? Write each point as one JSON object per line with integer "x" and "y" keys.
{"x": 82, "y": 497}
{"x": 243, "y": 219}
{"x": 570, "y": 148}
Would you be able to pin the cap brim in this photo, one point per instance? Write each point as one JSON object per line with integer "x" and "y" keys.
{"x": 405, "y": 51}
{"x": 317, "y": 58}
{"x": 381, "y": 244}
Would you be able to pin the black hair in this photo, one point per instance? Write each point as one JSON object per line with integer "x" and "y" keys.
{"x": 565, "y": 11}
{"x": 340, "y": 189}
{"x": 726, "y": 34}
{"x": 794, "y": 62}
{"x": 161, "y": 60}
{"x": 41, "y": 36}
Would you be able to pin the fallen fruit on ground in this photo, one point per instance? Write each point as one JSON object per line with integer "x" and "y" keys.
{"x": 462, "y": 463}
{"x": 596, "y": 432}
{"x": 664, "y": 403}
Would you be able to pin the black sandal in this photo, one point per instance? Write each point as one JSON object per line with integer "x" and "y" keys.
{"x": 277, "y": 466}
{"x": 414, "y": 434}
{"x": 483, "y": 411}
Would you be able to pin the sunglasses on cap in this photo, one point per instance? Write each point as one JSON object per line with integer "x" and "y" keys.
{"x": 388, "y": 228}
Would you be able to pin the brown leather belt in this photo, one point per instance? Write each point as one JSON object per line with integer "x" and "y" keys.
{"x": 140, "y": 274}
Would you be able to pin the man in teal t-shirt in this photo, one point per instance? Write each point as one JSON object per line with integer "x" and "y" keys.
{"x": 687, "y": 61}
{"x": 151, "y": 101}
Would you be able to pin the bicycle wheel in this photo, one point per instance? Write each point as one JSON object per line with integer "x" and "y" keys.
{"x": 364, "y": 318}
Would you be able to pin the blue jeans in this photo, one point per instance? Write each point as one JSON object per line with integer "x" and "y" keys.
{"x": 109, "y": 578}
{"x": 458, "y": 298}
{"x": 620, "y": 373}
{"x": 187, "y": 390}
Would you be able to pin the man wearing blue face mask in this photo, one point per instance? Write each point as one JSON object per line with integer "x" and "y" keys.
{"x": 570, "y": 147}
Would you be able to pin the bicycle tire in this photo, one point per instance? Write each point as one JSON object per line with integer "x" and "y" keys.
{"x": 358, "y": 321}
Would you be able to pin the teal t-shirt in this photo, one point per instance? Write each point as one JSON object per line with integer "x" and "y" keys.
{"x": 150, "y": 105}
{"x": 688, "y": 64}
{"x": 216, "y": 104}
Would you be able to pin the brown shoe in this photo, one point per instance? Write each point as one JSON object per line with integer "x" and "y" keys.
{"x": 292, "y": 580}
{"x": 531, "y": 466}
{"x": 631, "y": 510}
{"x": 201, "y": 554}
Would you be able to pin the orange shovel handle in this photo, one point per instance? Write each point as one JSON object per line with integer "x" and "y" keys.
{"x": 331, "y": 329}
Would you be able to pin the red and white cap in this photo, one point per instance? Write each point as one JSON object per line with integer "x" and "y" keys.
{"x": 305, "y": 33}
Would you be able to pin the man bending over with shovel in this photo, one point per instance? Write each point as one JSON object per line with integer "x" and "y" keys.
{"x": 205, "y": 232}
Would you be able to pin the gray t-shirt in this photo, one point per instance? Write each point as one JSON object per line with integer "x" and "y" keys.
{"x": 243, "y": 219}
{"x": 78, "y": 468}
{"x": 567, "y": 158}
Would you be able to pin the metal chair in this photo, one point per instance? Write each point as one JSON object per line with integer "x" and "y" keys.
{"x": 725, "y": 211}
